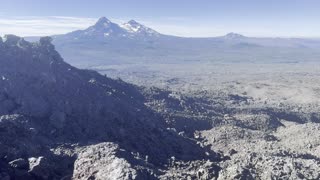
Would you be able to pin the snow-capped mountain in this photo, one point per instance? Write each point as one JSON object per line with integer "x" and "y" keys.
{"x": 105, "y": 29}
{"x": 136, "y": 28}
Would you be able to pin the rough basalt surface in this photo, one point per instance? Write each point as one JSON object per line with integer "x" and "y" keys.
{"x": 56, "y": 120}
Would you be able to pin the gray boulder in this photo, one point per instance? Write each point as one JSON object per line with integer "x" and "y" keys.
{"x": 101, "y": 162}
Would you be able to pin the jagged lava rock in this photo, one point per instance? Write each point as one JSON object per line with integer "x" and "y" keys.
{"x": 48, "y": 103}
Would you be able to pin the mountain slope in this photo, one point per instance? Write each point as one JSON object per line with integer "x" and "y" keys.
{"x": 50, "y": 112}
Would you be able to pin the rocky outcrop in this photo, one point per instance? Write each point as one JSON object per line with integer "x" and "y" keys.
{"x": 101, "y": 162}
{"x": 50, "y": 110}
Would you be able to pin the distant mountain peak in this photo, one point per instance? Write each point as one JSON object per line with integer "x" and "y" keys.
{"x": 133, "y": 26}
{"x": 103, "y": 22}
{"x": 133, "y": 22}
{"x": 104, "y": 28}
{"x": 233, "y": 35}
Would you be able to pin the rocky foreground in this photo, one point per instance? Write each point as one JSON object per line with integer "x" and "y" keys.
{"x": 258, "y": 140}
{"x": 59, "y": 122}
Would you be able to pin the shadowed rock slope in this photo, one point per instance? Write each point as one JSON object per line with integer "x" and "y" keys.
{"x": 57, "y": 121}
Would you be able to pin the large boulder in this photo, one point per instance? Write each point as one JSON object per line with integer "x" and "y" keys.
{"x": 100, "y": 162}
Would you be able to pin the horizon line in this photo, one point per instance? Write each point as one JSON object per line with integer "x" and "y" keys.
{"x": 81, "y": 23}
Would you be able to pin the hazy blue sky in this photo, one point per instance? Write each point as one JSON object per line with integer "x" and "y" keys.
{"x": 290, "y": 18}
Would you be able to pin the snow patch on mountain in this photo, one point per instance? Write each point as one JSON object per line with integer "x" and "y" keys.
{"x": 134, "y": 27}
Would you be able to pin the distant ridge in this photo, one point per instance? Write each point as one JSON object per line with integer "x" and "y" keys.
{"x": 106, "y": 42}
